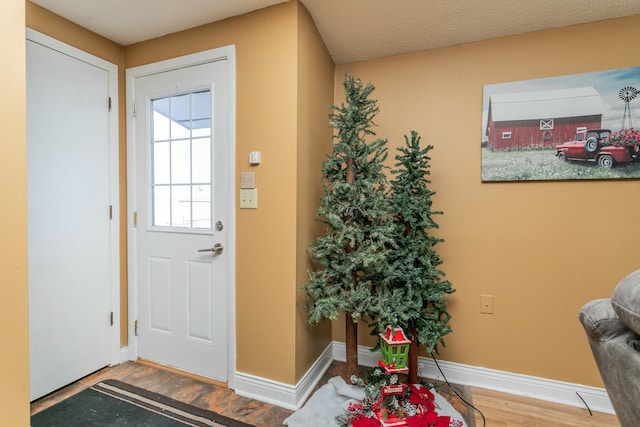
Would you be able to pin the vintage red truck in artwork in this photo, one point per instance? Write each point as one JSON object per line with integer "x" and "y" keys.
{"x": 593, "y": 145}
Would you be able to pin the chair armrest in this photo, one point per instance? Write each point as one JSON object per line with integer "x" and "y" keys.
{"x": 600, "y": 321}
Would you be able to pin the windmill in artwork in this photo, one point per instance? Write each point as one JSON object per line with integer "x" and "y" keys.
{"x": 627, "y": 94}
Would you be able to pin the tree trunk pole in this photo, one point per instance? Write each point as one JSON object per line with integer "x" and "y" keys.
{"x": 413, "y": 358}
{"x": 413, "y": 347}
{"x": 351, "y": 175}
{"x": 351, "y": 328}
{"x": 352, "y": 346}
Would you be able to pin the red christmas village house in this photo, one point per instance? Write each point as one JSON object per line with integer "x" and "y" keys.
{"x": 541, "y": 119}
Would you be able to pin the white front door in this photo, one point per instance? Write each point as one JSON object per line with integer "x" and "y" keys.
{"x": 181, "y": 157}
{"x": 72, "y": 238}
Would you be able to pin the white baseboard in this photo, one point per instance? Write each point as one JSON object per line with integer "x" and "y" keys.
{"x": 280, "y": 394}
{"x": 293, "y": 396}
{"x": 521, "y": 385}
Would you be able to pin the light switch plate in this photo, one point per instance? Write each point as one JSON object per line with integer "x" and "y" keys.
{"x": 249, "y": 198}
{"x": 247, "y": 180}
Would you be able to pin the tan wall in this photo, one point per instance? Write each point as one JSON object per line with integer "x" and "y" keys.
{"x": 40, "y": 19}
{"x": 315, "y": 93}
{"x": 14, "y": 356}
{"x": 543, "y": 249}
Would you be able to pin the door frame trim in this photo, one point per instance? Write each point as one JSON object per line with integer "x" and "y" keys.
{"x": 228, "y": 53}
{"x": 114, "y": 176}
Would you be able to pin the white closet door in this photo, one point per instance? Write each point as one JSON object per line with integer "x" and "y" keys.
{"x": 70, "y": 255}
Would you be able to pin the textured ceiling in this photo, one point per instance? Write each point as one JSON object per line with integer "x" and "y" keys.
{"x": 130, "y": 21}
{"x": 365, "y": 29}
{"x": 353, "y": 30}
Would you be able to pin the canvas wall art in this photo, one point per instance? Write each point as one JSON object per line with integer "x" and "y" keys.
{"x": 579, "y": 126}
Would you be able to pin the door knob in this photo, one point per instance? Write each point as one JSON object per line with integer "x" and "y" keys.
{"x": 216, "y": 249}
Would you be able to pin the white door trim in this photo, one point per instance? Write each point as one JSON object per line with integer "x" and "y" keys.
{"x": 114, "y": 178}
{"x": 227, "y": 52}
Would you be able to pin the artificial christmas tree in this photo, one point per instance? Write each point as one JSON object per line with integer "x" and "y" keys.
{"x": 413, "y": 294}
{"x": 355, "y": 209}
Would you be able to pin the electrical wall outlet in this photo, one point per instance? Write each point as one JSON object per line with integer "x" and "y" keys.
{"x": 486, "y": 304}
{"x": 249, "y": 198}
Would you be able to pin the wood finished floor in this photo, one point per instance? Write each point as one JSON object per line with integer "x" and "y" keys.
{"x": 193, "y": 390}
{"x": 507, "y": 410}
{"x": 500, "y": 410}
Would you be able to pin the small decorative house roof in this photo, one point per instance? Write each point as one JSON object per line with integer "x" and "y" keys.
{"x": 573, "y": 102}
{"x": 394, "y": 336}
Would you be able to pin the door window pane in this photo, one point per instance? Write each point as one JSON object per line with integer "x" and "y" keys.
{"x": 161, "y": 206}
{"x": 180, "y": 117}
{"x": 181, "y": 178}
{"x": 201, "y": 205}
{"x": 181, "y": 162}
{"x": 161, "y": 122}
{"x": 201, "y": 123}
{"x": 161, "y": 163}
{"x": 180, "y": 205}
{"x": 201, "y": 148}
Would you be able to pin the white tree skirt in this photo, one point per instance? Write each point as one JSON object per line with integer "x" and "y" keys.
{"x": 333, "y": 398}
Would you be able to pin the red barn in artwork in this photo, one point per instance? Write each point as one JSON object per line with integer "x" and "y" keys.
{"x": 530, "y": 120}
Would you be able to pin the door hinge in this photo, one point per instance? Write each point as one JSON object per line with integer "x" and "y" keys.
{"x": 133, "y": 108}
{"x": 136, "y": 330}
{"x": 110, "y": 211}
{"x": 109, "y": 103}
{"x": 135, "y": 219}
{"x": 111, "y": 318}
